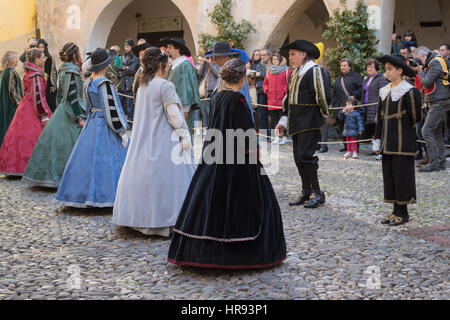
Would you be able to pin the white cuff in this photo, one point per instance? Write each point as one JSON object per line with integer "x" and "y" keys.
{"x": 376, "y": 145}
{"x": 283, "y": 121}
{"x": 187, "y": 108}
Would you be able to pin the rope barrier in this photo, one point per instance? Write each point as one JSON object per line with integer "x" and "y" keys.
{"x": 277, "y": 107}
{"x": 330, "y": 108}
{"x": 124, "y": 95}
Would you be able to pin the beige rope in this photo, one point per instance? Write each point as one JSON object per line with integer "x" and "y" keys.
{"x": 331, "y": 108}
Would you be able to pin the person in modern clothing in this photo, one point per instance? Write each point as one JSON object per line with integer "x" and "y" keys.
{"x": 29, "y": 120}
{"x": 152, "y": 186}
{"x": 92, "y": 172}
{"x": 260, "y": 68}
{"x": 230, "y": 218}
{"x": 11, "y": 91}
{"x": 52, "y": 151}
{"x": 444, "y": 51}
{"x": 370, "y": 93}
{"x": 436, "y": 86}
{"x": 304, "y": 109}
{"x": 275, "y": 87}
{"x": 353, "y": 127}
{"x": 347, "y": 85}
{"x": 399, "y": 109}
{"x": 31, "y": 43}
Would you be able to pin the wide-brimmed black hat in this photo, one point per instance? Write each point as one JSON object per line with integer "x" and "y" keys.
{"x": 100, "y": 59}
{"x": 399, "y": 61}
{"x": 222, "y": 49}
{"x": 305, "y": 46}
{"x": 179, "y": 43}
{"x": 140, "y": 48}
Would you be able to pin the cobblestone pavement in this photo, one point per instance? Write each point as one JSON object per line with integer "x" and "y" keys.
{"x": 338, "y": 251}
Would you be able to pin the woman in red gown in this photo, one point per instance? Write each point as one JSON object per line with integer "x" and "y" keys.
{"x": 30, "y": 118}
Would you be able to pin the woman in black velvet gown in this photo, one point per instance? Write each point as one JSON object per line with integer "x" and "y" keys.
{"x": 50, "y": 75}
{"x": 230, "y": 217}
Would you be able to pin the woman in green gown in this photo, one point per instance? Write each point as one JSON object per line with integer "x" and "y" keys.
{"x": 52, "y": 151}
{"x": 11, "y": 91}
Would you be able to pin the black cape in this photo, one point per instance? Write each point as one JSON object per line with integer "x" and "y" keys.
{"x": 230, "y": 217}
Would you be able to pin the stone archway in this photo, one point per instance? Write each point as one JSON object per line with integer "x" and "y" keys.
{"x": 121, "y": 16}
{"x": 303, "y": 19}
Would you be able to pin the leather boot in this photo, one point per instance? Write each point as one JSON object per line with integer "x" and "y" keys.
{"x": 302, "y": 199}
{"x": 315, "y": 200}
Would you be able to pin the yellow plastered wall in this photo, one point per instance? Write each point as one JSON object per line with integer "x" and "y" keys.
{"x": 17, "y": 23}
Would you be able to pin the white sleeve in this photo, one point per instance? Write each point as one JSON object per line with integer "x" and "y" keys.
{"x": 175, "y": 116}
{"x": 283, "y": 121}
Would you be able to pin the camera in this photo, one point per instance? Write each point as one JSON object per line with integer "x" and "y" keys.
{"x": 415, "y": 62}
{"x": 398, "y": 37}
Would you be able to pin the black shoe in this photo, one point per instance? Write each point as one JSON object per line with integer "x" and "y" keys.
{"x": 443, "y": 166}
{"x": 419, "y": 157}
{"x": 304, "y": 196}
{"x": 323, "y": 150}
{"x": 315, "y": 200}
{"x": 398, "y": 221}
{"x": 343, "y": 149}
{"x": 429, "y": 168}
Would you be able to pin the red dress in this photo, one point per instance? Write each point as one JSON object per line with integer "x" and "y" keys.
{"x": 26, "y": 126}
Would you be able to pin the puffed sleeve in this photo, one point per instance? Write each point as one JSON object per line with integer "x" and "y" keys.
{"x": 172, "y": 106}
{"x": 14, "y": 93}
{"x": 75, "y": 100}
{"x": 113, "y": 109}
{"x": 378, "y": 120}
{"x": 414, "y": 106}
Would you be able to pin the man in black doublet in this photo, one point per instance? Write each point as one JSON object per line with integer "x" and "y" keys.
{"x": 305, "y": 105}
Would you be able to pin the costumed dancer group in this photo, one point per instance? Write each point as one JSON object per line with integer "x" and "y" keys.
{"x": 220, "y": 215}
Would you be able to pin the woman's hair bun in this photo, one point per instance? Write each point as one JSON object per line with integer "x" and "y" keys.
{"x": 233, "y": 71}
{"x": 152, "y": 60}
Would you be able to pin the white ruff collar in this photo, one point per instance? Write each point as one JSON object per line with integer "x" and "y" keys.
{"x": 178, "y": 61}
{"x": 397, "y": 92}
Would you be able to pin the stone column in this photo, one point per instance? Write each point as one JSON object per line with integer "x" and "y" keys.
{"x": 387, "y": 25}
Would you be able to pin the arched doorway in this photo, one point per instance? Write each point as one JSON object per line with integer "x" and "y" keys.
{"x": 305, "y": 19}
{"x": 151, "y": 19}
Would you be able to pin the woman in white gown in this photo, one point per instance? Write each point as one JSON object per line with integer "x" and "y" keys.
{"x": 158, "y": 168}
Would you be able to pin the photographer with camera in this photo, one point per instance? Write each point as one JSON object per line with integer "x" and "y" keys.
{"x": 436, "y": 87}
{"x": 31, "y": 43}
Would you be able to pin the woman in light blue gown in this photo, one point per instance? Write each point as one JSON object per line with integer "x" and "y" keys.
{"x": 93, "y": 170}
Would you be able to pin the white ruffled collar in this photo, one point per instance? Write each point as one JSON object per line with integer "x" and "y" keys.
{"x": 397, "y": 92}
{"x": 178, "y": 61}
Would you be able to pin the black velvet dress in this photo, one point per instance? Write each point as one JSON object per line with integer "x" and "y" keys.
{"x": 230, "y": 217}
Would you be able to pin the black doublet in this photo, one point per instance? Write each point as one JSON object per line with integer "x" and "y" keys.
{"x": 306, "y": 101}
{"x": 395, "y": 128}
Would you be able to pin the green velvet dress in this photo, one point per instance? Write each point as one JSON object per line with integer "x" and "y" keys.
{"x": 52, "y": 151}
{"x": 11, "y": 92}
